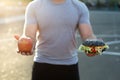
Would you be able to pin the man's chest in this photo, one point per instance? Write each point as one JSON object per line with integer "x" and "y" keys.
{"x": 59, "y": 15}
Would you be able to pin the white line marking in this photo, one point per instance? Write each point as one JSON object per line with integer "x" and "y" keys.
{"x": 105, "y": 36}
{"x": 111, "y": 53}
{"x": 109, "y": 36}
{"x": 112, "y": 42}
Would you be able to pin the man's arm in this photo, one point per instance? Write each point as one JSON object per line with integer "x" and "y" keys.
{"x": 86, "y": 32}
{"x": 84, "y": 24}
{"x": 30, "y": 25}
{"x": 30, "y": 31}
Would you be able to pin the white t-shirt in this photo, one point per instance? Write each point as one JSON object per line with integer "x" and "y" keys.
{"x": 58, "y": 24}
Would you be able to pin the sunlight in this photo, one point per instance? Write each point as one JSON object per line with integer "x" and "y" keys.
{"x": 12, "y": 8}
{"x": 14, "y": 2}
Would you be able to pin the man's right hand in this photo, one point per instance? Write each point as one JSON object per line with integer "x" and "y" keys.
{"x": 25, "y": 45}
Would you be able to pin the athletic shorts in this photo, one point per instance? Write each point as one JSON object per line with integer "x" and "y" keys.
{"x": 45, "y": 71}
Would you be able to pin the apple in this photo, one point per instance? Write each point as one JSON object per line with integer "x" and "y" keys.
{"x": 25, "y": 44}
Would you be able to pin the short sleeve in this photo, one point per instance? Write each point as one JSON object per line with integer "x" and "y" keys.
{"x": 30, "y": 17}
{"x": 84, "y": 15}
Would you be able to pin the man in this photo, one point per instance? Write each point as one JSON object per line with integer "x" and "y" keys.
{"x": 57, "y": 22}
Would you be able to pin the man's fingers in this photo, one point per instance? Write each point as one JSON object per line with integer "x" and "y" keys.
{"x": 23, "y": 53}
{"x": 18, "y": 51}
{"x": 26, "y": 53}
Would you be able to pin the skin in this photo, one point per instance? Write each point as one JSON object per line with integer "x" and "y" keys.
{"x": 58, "y": 1}
{"x": 85, "y": 30}
{"x": 30, "y": 31}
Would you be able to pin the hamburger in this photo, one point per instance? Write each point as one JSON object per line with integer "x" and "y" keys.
{"x": 93, "y": 47}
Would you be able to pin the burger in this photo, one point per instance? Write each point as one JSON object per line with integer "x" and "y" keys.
{"x": 93, "y": 47}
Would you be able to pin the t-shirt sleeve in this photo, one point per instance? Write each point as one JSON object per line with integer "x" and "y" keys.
{"x": 84, "y": 15}
{"x": 30, "y": 17}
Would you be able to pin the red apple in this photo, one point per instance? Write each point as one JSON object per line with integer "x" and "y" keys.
{"x": 25, "y": 44}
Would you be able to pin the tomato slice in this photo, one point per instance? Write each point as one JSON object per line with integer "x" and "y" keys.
{"x": 90, "y": 54}
{"x": 93, "y": 50}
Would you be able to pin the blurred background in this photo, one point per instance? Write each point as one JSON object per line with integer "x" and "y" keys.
{"x": 105, "y": 20}
{"x": 103, "y": 4}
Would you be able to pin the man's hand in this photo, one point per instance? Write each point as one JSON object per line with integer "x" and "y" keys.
{"x": 25, "y": 45}
{"x": 93, "y": 47}
{"x": 26, "y": 53}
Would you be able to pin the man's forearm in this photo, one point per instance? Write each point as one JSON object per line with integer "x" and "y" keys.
{"x": 88, "y": 37}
